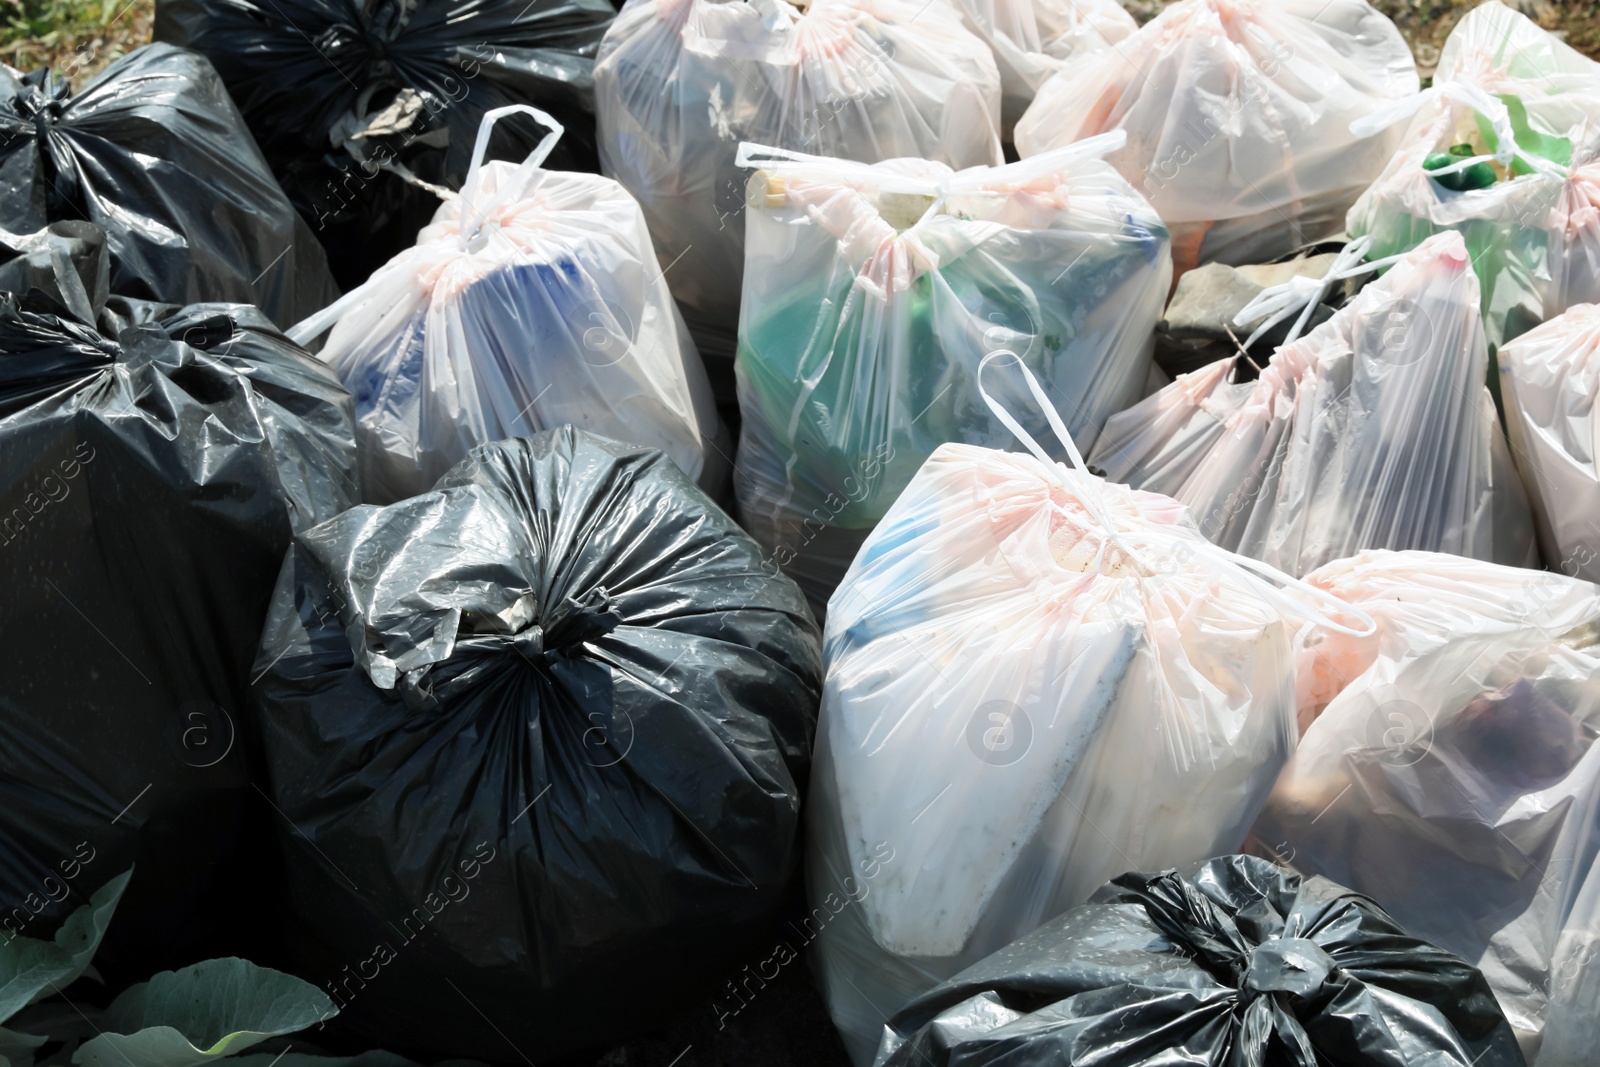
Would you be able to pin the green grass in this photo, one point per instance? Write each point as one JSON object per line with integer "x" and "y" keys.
{"x": 76, "y": 36}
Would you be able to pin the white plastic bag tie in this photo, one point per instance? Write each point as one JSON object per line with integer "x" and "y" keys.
{"x": 470, "y": 222}
{"x": 1470, "y": 96}
{"x": 1272, "y": 583}
{"x": 309, "y": 329}
{"x": 1277, "y": 302}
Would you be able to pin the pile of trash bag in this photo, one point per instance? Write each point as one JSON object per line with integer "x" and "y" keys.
{"x": 1449, "y": 769}
{"x": 1231, "y": 961}
{"x": 1237, "y": 114}
{"x": 1032, "y": 39}
{"x": 681, "y": 83}
{"x": 154, "y": 152}
{"x": 541, "y": 736}
{"x": 874, "y": 291}
{"x": 360, "y": 105}
{"x": 1549, "y": 381}
{"x": 1035, "y": 680}
{"x": 153, "y": 474}
{"x": 1503, "y": 149}
{"x": 532, "y": 301}
{"x": 1375, "y": 430}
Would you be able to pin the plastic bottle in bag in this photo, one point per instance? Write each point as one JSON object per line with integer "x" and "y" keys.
{"x": 153, "y": 152}
{"x": 1032, "y": 39}
{"x": 1372, "y": 431}
{"x": 1237, "y": 115}
{"x": 154, "y": 463}
{"x": 1035, "y": 681}
{"x": 1449, "y": 769}
{"x": 1232, "y": 961}
{"x": 872, "y": 293}
{"x": 540, "y": 735}
{"x": 1550, "y": 379}
{"x": 1520, "y": 104}
{"x": 532, "y": 301}
{"x": 680, "y": 83}
{"x": 359, "y": 106}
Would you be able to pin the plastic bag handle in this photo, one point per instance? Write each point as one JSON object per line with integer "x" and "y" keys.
{"x": 969, "y": 180}
{"x": 1268, "y": 578}
{"x": 471, "y": 221}
{"x": 1471, "y": 96}
{"x": 1277, "y": 302}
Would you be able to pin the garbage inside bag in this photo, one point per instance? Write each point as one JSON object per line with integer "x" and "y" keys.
{"x": 154, "y": 152}
{"x": 149, "y": 484}
{"x": 1032, "y": 39}
{"x": 1550, "y": 379}
{"x": 1231, "y": 961}
{"x": 873, "y": 292}
{"x": 360, "y": 105}
{"x": 680, "y": 83}
{"x": 1372, "y": 431}
{"x": 1519, "y": 103}
{"x": 1035, "y": 680}
{"x": 541, "y": 735}
{"x": 1198, "y": 327}
{"x": 532, "y": 301}
{"x": 1449, "y": 770}
{"x": 1237, "y": 115}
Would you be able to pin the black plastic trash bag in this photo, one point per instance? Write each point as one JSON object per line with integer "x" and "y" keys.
{"x": 155, "y": 153}
{"x": 541, "y": 735}
{"x": 1228, "y": 963}
{"x": 149, "y": 486}
{"x": 341, "y": 93}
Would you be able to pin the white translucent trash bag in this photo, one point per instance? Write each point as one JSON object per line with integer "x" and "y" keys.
{"x": 680, "y": 83}
{"x": 1035, "y": 681}
{"x": 546, "y": 308}
{"x": 1032, "y": 39}
{"x": 872, "y": 292}
{"x": 1534, "y": 233}
{"x": 1550, "y": 382}
{"x": 1375, "y": 430}
{"x": 1238, "y": 115}
{"x": 1453, "y": 775}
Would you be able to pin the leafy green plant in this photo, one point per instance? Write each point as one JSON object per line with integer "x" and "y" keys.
{"x": 181, "y": 1018}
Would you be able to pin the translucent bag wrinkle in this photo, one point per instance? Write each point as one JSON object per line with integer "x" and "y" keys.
{"x": 680, "y": 83}
{"x": 1550, "y": 378}
{"x": 1533, "y": 236}
{"x": 549, "y": 312}
{"x": 872, "y": 294}
{"x": 1373, "y": 431}
{"x": 1449, "y": 769}
{"x": 1032, "y": 39}
{"x": 1236, "y": 114}
{"x": 1020, "y": 703}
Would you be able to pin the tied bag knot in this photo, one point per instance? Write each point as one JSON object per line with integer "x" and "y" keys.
{"x": 1295, "y": 966}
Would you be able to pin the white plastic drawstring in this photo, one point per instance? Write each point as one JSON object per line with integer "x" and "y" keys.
{"x": 970, "y": 179}
{"x": 472, "y": 221}
{"x": 309, "y": 329}
{"x": 1277, "y": 302}
{"x": 1271, "y": 583}
{"x": 1492, "y": 108}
